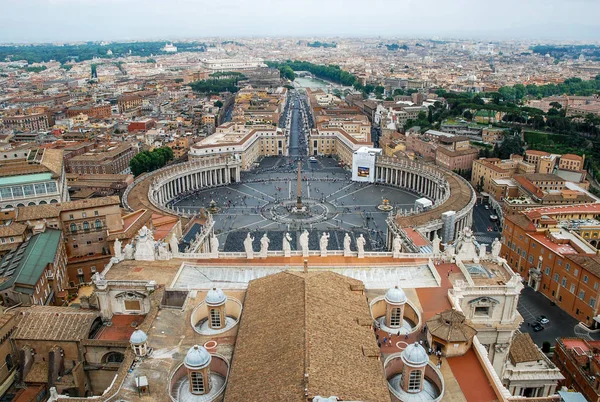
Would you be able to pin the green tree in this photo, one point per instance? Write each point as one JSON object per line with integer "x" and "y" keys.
{"x": 218, "y": 103}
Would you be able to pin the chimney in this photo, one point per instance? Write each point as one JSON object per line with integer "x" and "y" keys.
{"x": 305, "y": 266}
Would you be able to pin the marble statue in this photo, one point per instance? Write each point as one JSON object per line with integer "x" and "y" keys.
{"x": 264, "y": 245}
{"x": 118, "y": 250}
{"x": 466, "y": 249}
{"x": 304, "y": 243}
{"x": 347, "y": 242}
{"x": 163, "y": 253}
{"x": 214, "y": 244}
{"x": 174, "y": 245}
{"x": 496, "y": 246}
{"x": 396, "y": 246}
{"x": 360, "y": 246}
{"x": 129, "y": 251}
{"x": 145, "y": 248}
{"x": 248, "y": 246}
{"x": 287, "y": 248}
{"x": 323, "y": 243}
{"x": 436, "y": 243}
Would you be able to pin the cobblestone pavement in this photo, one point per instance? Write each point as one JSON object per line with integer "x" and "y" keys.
{"x": 353, "y": 205}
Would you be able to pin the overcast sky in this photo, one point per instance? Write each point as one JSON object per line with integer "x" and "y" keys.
{"x": 76, "y": 20}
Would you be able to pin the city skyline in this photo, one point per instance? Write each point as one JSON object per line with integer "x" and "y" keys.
{"x": 72, "y": 21}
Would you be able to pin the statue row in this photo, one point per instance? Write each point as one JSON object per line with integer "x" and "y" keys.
{"x": 303, "y": 240}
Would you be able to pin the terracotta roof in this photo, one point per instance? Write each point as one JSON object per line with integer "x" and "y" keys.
{"x": 450, "y": 326}
{"x": 36, "y": 212}
{"x": 14, "y": 229}
{"x": 49, "y": 323}
{"x": 536, "y": 152}
{"x": 295, "y": 323}
{"x": 53, "y": 160}
{"x": 590, "y": 263}
{"x": 522, "y": 349}
{"x": 572, "y": 157}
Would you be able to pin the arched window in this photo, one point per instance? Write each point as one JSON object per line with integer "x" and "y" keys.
{"x": 73, "y": 227}
{"x": 98, "y": 224}
{"x": 414, "y": 381}
{"x": 86, "y": 225}
{"x": 396, "y": 317}
{"x": 215, "y": 318}
{"x": 197, "y": 382}
{"x": 112, "y": 357}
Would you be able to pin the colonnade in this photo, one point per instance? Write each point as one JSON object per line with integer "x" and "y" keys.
{"x": 419, "y": 182}
{"x": 193, "y": 176}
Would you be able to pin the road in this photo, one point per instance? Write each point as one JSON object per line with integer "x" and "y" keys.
{"x": 482, "y": 224}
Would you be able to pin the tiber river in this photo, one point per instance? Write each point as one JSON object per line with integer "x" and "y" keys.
{"x": 311, "y": 83}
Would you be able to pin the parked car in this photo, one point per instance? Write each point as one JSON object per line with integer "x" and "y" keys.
{"x": 537, "y": 327}
{"x": 543, "y": 320}
{"x": 486, "y": 206}
{"x": 312, "y": 159}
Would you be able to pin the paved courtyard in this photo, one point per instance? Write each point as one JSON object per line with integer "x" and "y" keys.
{"x": 259, "y": 204}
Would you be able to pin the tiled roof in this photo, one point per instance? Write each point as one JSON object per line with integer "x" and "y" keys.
{"x": 522, "y": 349}
{"x": 450, "y": 326}
{"x": 295, "y": 324}
{"x": 35, "y": 212}
{"x": 14, "y": 229}
{"x": 590, "y": 263}
{"x": 49, "y": 323}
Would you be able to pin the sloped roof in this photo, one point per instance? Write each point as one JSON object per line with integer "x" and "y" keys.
{"x": 49, "y": 323}
{"x": 522, "y": 349}
{"x": 25, "y": 264}
{"x": 295, "y": 323}
{"x": 450, "y": 326}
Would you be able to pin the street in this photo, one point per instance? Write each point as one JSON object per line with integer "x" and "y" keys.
{"x": 482, "y": 225}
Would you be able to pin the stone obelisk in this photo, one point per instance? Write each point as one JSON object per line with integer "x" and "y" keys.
{"x": 299, "y": 206}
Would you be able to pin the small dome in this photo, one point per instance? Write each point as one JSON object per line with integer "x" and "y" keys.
{"x": 138, "y": 337}
{"x": 395, "y": 296}
{"x": 197, "y": 357}
{"x": 415, "y": 355}
{"x": 215, "y": 297}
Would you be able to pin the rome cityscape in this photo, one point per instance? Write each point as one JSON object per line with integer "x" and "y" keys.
{"x": 316, "y": 202}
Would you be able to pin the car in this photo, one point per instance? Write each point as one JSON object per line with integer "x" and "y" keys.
{"x": 486, "y": 206}
{"x": 543, "y": 320}
{"x": 537, "y": 327}
{"x": 312, "y": 159}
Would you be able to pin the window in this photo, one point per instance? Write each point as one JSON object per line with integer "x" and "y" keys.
{"x": 98, "y": 224}
{"x": 592, "y": 302}
{"x": 79, "y": 271}
{"x": 86, "y": 225}
{"x": 93, "y": 268}
{"x": 70, "y": 216}
{"x": 482, "y": 311}
{"x": 547, "y": 270}
{"x": 575, "y": 272}
{"x": 572, "y": 290}
{"x": 83, "y": 215}
{"x": 564, "y": 282}
{"x": 73, "y": 228}
{"x": 568, "y": 267}
{"x": 414, "y": 381}
{"x": 585, "y": 279}
{"x": 530, "y": 259}
{"x": 595, "y": 285}
{"x": 197, "y": 382}
{"x": 559, "y": 262}
{"x": 582, "y": 294}
{"x": 215, "y": 318}
{"x": 518, "y": 250}
{"x": 96, "y": 213}
{"x": 396, "y": 317}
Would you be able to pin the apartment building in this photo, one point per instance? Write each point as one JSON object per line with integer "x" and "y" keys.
{"x": 95, "y": 111}
{"x": 112, "y": 158}
{"x": 246, "y": 142}
{"x": 579, "y": 361}
{"x": 556, "y": 260}
{"x": 27, "y": 122}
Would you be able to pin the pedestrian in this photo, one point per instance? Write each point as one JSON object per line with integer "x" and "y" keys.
{"x": 421, "y": 342}
{"x": 377, "y": 336}
{"x": 405, "y": 336}
{"x": 379, "y": 344}
{"x": 384, "y": 340}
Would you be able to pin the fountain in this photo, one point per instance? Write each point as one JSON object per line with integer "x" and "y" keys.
{"x": 385, "y": 206}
